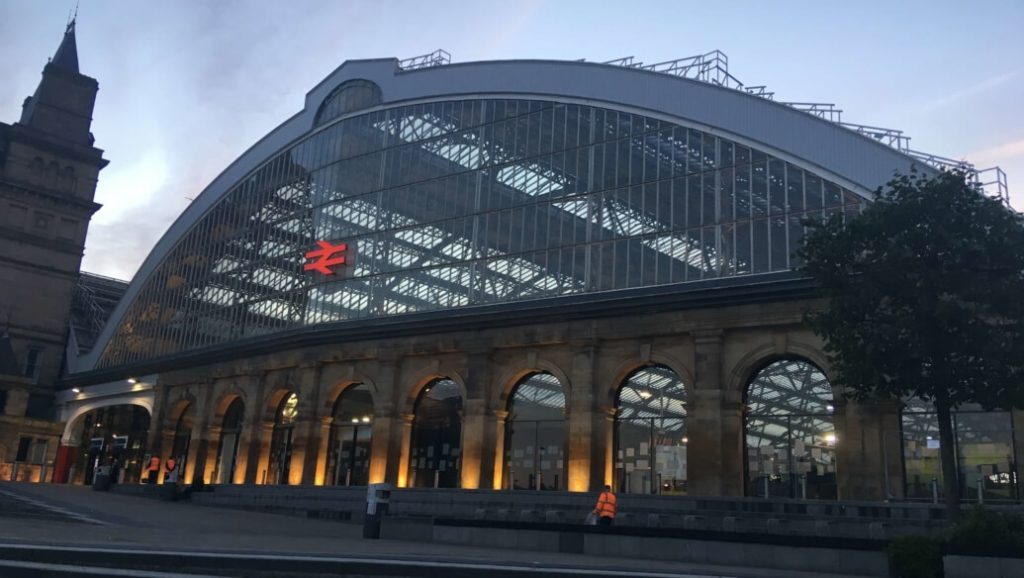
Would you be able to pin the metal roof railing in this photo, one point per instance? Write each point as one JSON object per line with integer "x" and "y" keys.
{"x": 713, "y": 68}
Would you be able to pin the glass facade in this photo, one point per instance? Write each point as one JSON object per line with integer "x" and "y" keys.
{"x": 281, "y": 440}
{"x": 984, "y": 452}
{"x": 790, "y": 432}
{"x": 470, "y": 202}
{"x": 650, "y": 433}
{"x": 348, "y": 458}
{"x": 535, "y": 435}
{"x": 435, "y": 456}
{"x": 227, "y": 452}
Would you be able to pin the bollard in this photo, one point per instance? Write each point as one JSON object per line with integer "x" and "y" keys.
{"x": 14, "y": 472}
{"x": 935, "y": 491}
{"x": 766, "y": 487}
{"x": 42, "y": 473}
{"x": 981, "y": 490}
{"x": 437, "y": 478}
{"x": 378, "y": 496}
{"x": 803, "y": 487}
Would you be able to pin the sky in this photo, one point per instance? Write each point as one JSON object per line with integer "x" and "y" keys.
{"x": 187, "y": 86}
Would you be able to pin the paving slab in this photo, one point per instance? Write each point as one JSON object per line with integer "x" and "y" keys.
{"x": 114, "y": 520}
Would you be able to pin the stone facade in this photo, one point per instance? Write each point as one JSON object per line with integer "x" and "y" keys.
{"x": 715, "y": 351}
{"x": 48, "y": 173}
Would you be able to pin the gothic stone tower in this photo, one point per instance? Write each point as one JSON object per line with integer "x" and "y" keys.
{"x": 48, "y": 172}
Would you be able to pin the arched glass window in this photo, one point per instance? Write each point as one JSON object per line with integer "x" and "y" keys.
{"x": 183, "y": 438}
{"x": 348, "y": 458}
{"x": 650, "y": 432}
{"x": 231, "y": 431}
{"x": 353, "y": 95}
{"x": 790, "y": 432}
{"x": 281, "y": 440}
{"x": 984, "y": 451}
{"x": 435, "y": 455}
{"x": 535, "y": 435}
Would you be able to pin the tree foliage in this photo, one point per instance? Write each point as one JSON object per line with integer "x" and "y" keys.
{"x": 925, "y": 296}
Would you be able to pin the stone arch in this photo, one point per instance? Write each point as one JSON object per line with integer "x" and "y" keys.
{"x": 333, "y": 392}
{"x": 224, "y": 401}
{"x": 610, "y": 392}
{"x": 72, "y": 420}
{"x": 758, "y": 358}
{"x": 269, "y": 411}
{"x": 516, "y": 372}
{"x": 425, "y": 377}
{"x": 179, "y": 407}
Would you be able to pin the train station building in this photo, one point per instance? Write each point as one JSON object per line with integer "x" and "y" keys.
{"x": 520, "y": 276}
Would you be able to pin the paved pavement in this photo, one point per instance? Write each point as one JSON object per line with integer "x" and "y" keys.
{"x": 76, "y": 517}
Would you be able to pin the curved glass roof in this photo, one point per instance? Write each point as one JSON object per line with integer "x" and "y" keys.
{"x": 470, "y": 202}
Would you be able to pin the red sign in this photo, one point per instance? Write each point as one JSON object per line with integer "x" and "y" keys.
{"x": 325, "y": 257}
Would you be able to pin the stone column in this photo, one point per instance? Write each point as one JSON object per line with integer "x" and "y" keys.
{"x": 868, "y": 449}
{"x": 477, "y": 463}
{"x": 387, "y": 428}
{"x": 404, "y": 443}
{"x": 211, "y": 467}
{"x": 715, "y": 425}
{"x": 252, "y": 433}
{"x": 263, "y": 434}
{"x": 590, "y": 427}
{"x": 156, "y": 436}
{"x": 320, "y": 459}
{"x": 199, "y": 446}
{"x": 478, "y": 440}
{"x": 500, "y": 423}
{"x": 306, "y": 431}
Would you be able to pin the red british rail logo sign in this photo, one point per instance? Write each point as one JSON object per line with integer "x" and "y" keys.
{"x": 326, "y": 257}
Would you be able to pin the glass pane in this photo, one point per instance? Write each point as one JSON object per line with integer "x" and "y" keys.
{"x": 790, "y": 434}
{"x": 651, "y": 439}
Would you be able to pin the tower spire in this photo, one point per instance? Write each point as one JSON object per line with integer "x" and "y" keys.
{"x": 66, "y": 57}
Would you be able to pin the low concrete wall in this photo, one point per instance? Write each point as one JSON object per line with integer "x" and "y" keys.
{"x": 863, "y": 559}
{"x": 787, "y": 517}
{"x": 974, "y": 566}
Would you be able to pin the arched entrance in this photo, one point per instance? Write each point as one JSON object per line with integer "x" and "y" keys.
{"x": 230, "y": 433}
{"x": 790, "y": 432}
{"x": 436, "y": 444}
{"x": 535, "y": 434}
{"x": 348, "y": 457}
{"x": 281, "y": 439}
{"x": 115, "y": 435}
{"x": 650, "y": 432}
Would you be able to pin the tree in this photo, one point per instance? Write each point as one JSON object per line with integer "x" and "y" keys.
{"x": 925, "y": 294}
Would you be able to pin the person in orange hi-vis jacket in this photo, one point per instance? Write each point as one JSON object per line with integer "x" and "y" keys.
{"x": 606, "y": 507}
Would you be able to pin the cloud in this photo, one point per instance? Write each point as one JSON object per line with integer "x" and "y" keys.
{"x": 999, "y": 153}
{"x": 974, "y": 90}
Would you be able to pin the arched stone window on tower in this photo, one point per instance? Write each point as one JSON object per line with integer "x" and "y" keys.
{"x": 650, "y": 433}
{"x": 348, "y": 457}
{"x": 435, "y": 456}
{"x": 790, "y": 432}
{"x": 183, "y": 438}
{"x": 984, "y": 451}
{"x": 68, "y": 176}
{"x": 535, "y": 435}
{"x": 227, "y": 453}
{"x": 281, "y": 440}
